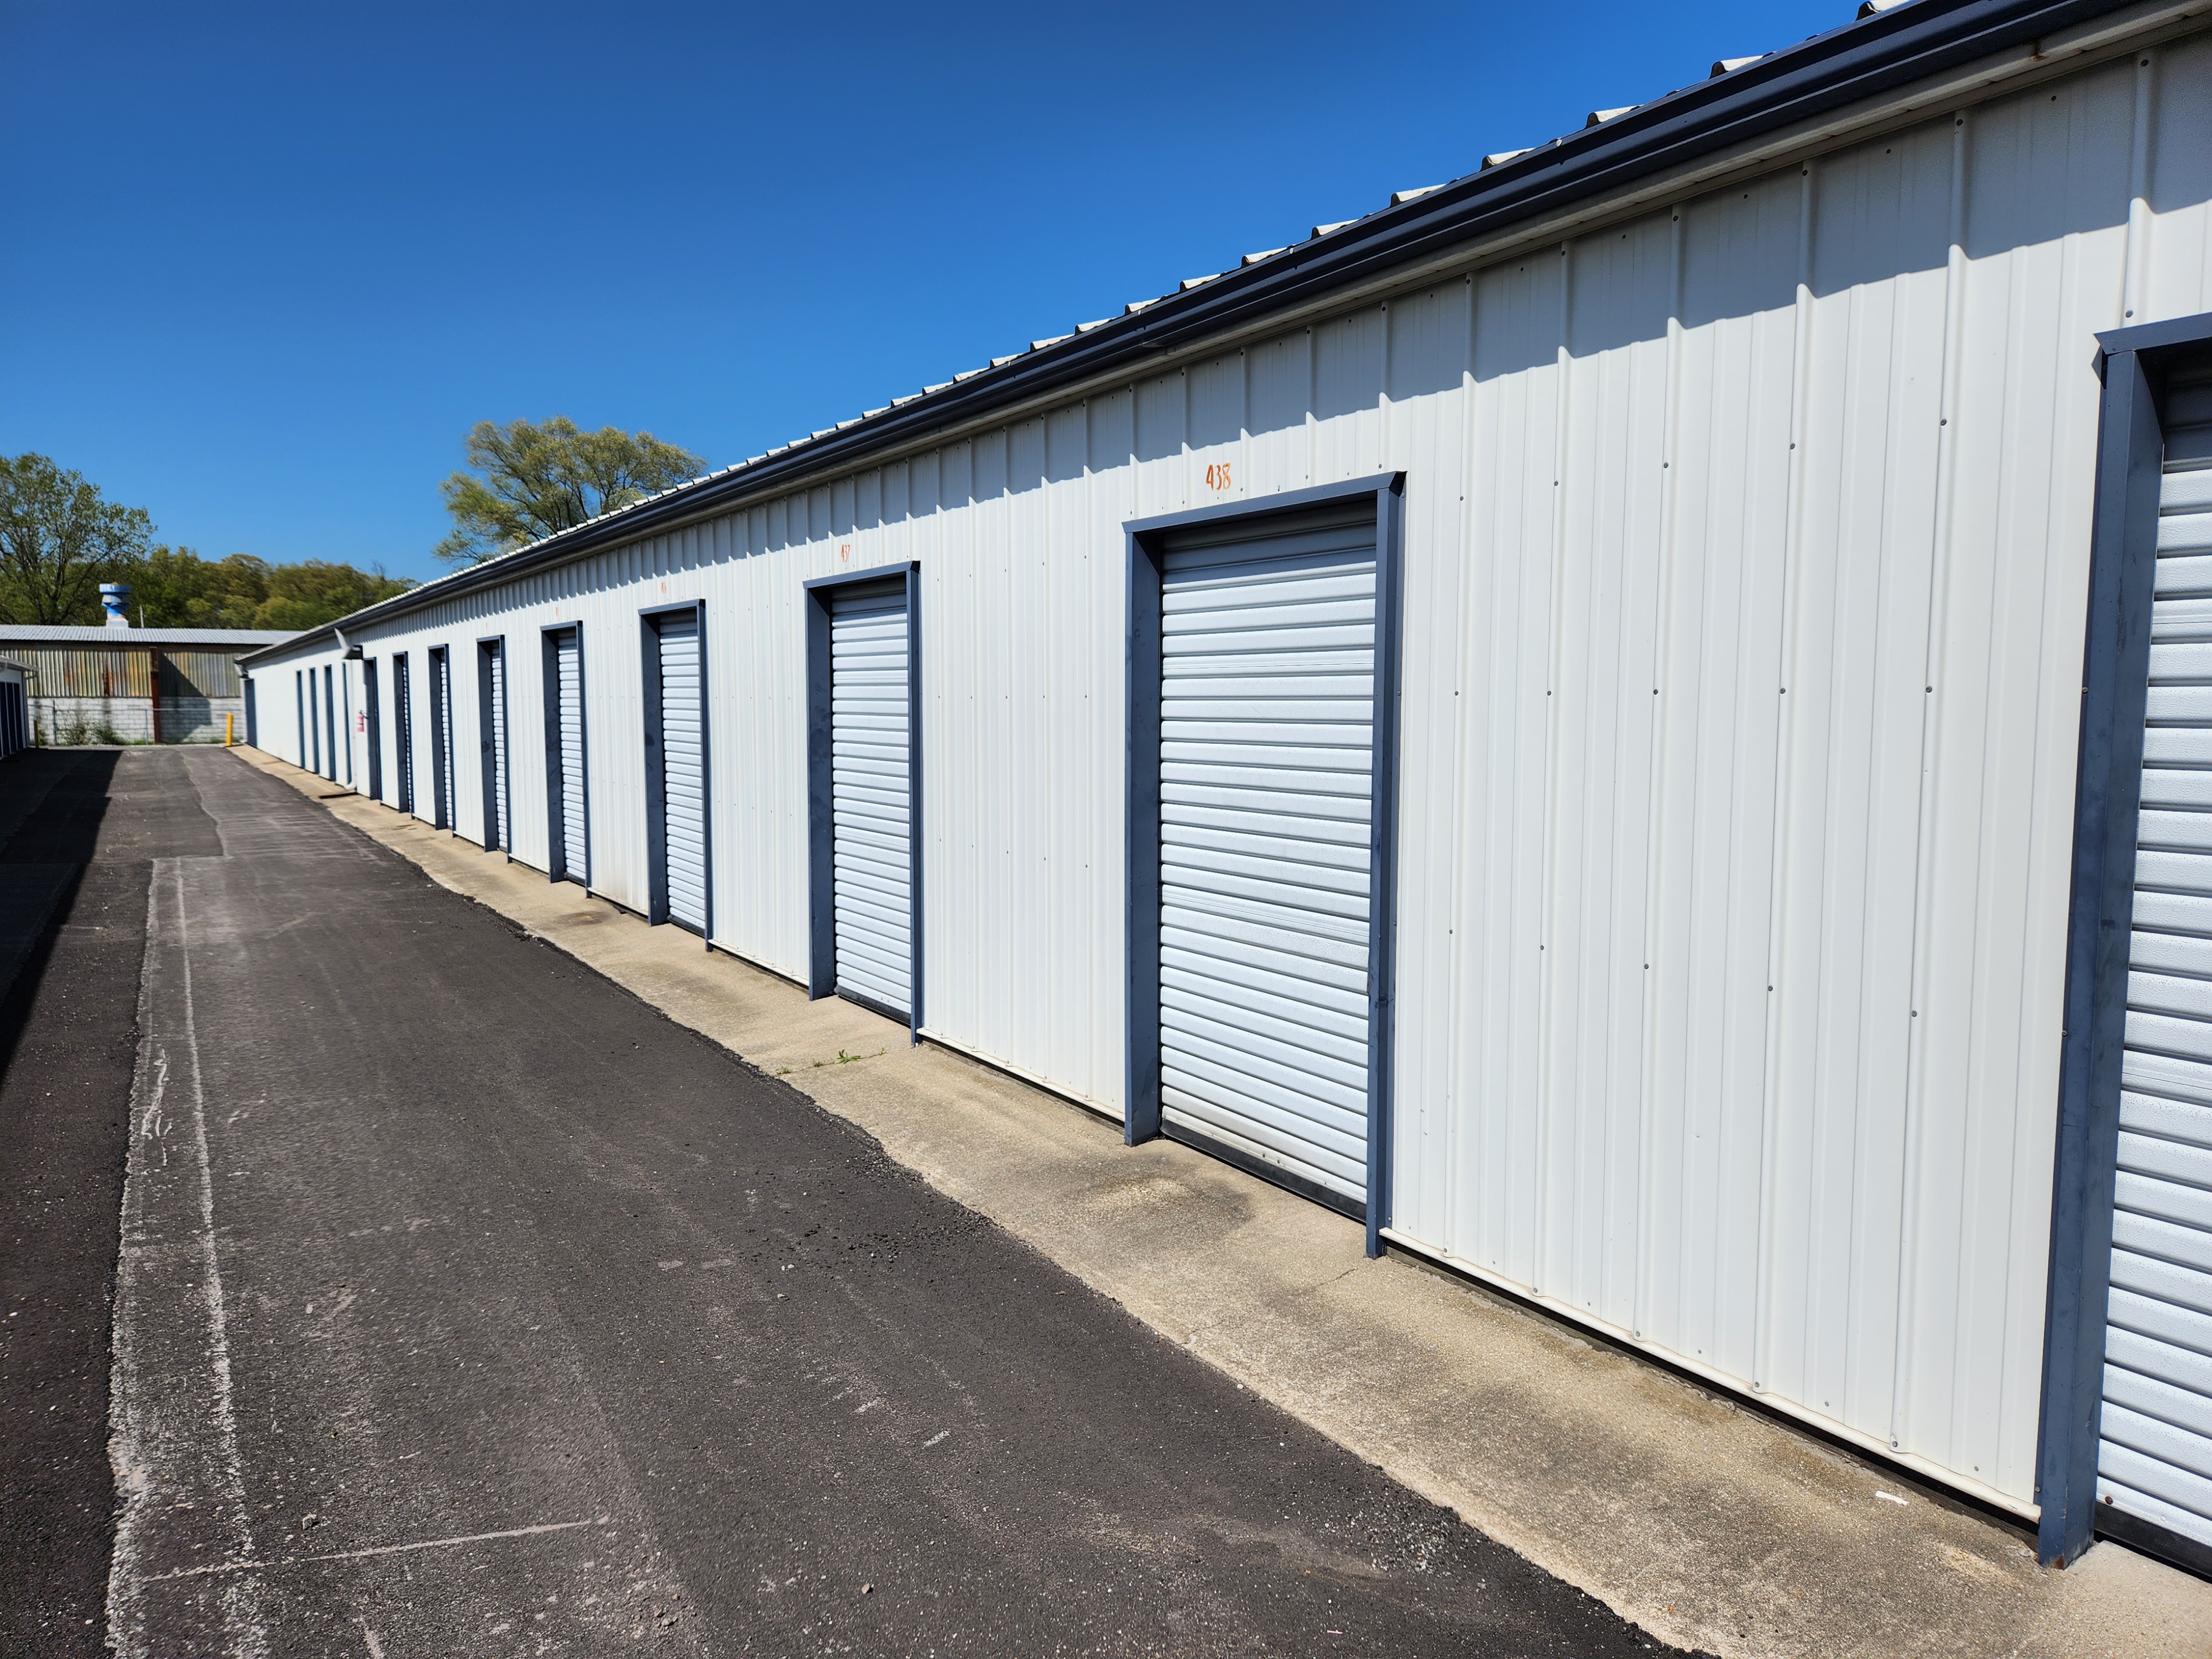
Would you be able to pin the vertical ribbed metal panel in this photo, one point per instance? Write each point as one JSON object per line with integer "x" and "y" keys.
{"x": 683, "y": 767}
{"x": 1745, "y": 558}
{"x": 575, "y": 831}
{"x": 87, "y": 671}
{"x": 1267, "y": 764}
{"x": 190, "y": 672}
{"x": 871, "y": 804}
{"x": 2155, "y": 1456}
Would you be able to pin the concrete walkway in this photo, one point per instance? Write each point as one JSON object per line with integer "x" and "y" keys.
{"x": 1709, "y": 1525}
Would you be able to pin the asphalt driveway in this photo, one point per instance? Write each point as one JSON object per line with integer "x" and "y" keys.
{"x": 465, "y": 1304}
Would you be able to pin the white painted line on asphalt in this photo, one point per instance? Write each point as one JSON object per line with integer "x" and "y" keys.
{"x": 220, "y": 1568}
{"x": 151, "y": 1445}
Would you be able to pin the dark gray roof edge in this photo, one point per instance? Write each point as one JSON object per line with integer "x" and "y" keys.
{"x": 1859, "y": 60}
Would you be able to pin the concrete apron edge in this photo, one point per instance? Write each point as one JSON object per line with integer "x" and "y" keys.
{"x": 1990, "y": 1593}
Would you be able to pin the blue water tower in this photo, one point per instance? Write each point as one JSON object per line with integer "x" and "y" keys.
{"x": 116, "y": 596}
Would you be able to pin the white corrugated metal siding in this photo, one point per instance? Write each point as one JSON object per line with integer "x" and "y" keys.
{"x": 683, "y": 769}
{"x": 1745, "y": 562}
{"x": 1267, "y": 764}
{"x": 871, "y": 800}
{"x": 2155, "y": 1458}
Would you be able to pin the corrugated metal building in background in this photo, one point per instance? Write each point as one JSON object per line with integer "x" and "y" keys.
{"x": 1641, "y": 840}
{"x": 134, "y": 684}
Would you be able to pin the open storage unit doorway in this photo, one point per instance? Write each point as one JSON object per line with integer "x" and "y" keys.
{"x": 1262, "y": 788}
{"x": 864, "y": 772}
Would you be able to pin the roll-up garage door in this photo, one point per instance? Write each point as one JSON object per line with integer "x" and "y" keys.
{"x": 684, "y": 770}
{"x": 871, "y": 802}
{"x": 569, "y": 719}
{"x": 442, "y": 740}
{"x": 2154, "y": 1461}
{"x": 491, "y": 741}
{"x": 1267, "y": 754}
{"x": 373, "y": 712}
{"x": 402, "y": 730}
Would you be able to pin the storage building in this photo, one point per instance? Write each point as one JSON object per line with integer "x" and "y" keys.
{"x": 1550, "y": 718}
{"x": 125, "y": 684}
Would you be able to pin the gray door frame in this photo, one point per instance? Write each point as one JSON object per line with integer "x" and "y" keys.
{"x": 372, "y": 705}
{"x": 2108, "y": 784}
{"x": 1147, "y": 538}
{"x": 821, "y": 798}
{"x": 556, "y": 827}
{"x": 656, "y": 778}
{"x": 491, "y": 719}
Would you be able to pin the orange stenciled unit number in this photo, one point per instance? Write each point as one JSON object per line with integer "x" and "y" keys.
{"x": 1217, "y": 476}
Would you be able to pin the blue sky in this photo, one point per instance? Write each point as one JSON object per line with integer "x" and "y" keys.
{"x": 267, "y": 264}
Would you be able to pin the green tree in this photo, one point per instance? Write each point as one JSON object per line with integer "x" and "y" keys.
{"x": 317, "y": 591}
{"x": 59, "y": 540}
{"x": 537, "y": 479}
{"x": 174, "y": 587}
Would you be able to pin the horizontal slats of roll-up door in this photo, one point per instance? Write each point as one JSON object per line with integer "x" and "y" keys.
{"x": 444, "y": 663}
{"x": 684, "y": 770}
{"x": 1267, "y": 754}
{"x": 2154, "y": 1453}
{"x": 502, "y": 830}
{"x": 569, "y": 666}
{"x": 871, "y": 801}
{"x": 402, "y": 712}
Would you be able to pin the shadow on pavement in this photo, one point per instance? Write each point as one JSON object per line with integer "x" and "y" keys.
{"x": 63, "y": 797}
{"x": 79, "y": 829}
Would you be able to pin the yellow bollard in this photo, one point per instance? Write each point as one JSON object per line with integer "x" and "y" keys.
{"x": 226, "y": 719}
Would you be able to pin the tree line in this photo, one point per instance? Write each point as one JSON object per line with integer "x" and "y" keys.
{"x": 60, "y": 538}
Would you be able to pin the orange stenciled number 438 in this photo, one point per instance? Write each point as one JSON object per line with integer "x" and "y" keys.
{"x": 1217, "y": 476}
